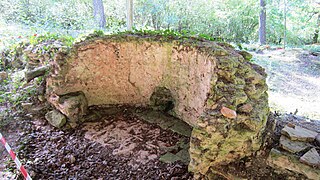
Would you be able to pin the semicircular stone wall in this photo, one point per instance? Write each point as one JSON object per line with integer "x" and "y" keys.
{"x": 195, "y": 78}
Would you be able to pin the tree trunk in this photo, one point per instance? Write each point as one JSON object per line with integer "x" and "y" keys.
{"x": 262, "y": 23}
{"x": 316, "y": 32}
{"x": 98, "y": 13}
{"x": 285, "y": 25}
{"x": 129, "y": 15}
{"x": 154, "y": 21}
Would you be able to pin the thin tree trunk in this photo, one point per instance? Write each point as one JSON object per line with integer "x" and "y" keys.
{"x": 129, "y": 15}
{"x": 262, "y": 23}
{"x": 98, "y": 13}
{"x": 154, "y": 21}
{"x": 316, "y": 32}
{"x": 179, "y": 26}
{"x": 285, "y": 25}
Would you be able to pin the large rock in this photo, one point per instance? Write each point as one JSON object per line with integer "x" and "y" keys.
{"x": 191, "y": 79}
{"x": 73, "y": 105}
{"x": 39, "y": 71}
{"x": 311, "y": 158}
{"x": 55, "y": 118}
{"x": 292, "y": 146}
{"x": 299, "y": 133}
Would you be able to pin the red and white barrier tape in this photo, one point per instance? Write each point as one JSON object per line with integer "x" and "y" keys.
{"x": 15, "y": 158}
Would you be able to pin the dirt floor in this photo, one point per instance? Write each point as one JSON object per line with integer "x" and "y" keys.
{"x": 293, "y": 80}
{"x": 118, "y": 146}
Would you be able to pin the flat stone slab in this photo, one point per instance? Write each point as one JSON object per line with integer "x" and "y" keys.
{"x": 167, "y": 122}
{"x": 292, "y": 146}
{"x": 169, "y": 158}
{"x": 311, "y": 158}
{"x": 182, "y": 128}
{"x": 285, "y": 161}
{"x": 184, "y": 156}
{"x": 298, "y": 133}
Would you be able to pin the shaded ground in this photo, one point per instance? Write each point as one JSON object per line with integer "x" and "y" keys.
{"x": 293, "y": 80}
{"x": 119, "y": 146}
{"x": 12, "y": 136}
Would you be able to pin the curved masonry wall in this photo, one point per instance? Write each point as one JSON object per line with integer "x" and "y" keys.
{"x": 199, "y": 77}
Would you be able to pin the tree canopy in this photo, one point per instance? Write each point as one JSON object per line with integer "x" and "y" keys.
{"x": 229, "y": 20}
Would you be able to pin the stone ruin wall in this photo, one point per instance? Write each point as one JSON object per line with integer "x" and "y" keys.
{"x": 202, "y": 76}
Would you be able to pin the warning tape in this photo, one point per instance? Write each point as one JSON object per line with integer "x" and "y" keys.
{"x": 15, "y": 158}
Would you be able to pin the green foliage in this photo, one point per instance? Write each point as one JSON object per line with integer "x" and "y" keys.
{"x": 166, "y": 33}
{"x": 10, "y": 88}
{"x": 112, "y": 22}
{"x": 36, "y": 39}
{"x": 98, "y": 33}
{"x": 172, "y": 34}
{"x": 90, "y": 35}
{"x": 13, "y": 92}
{"x": 206, "y": 36}
{"x": 301, "y": 21}
{"x": 224, "y": 20}
{"x": 14, "y": 56}
{"x": 11, "y": 55}
{"x": 69, "y": 14}
{"x": 228, "y": 20}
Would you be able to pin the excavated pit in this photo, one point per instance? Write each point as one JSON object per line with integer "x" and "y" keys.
{"x": 188, "y": 79}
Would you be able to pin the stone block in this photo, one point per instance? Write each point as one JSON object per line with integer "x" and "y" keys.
{"x": 311, "y": 158}
{"x": 299, "y": 133}
{"x": 72, "y": 105}
{"x": 292, "y": 146}
{"x": 55, "y": 118}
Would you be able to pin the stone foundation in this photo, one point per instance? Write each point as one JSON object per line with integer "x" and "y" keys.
{"x": 189, "y": 79}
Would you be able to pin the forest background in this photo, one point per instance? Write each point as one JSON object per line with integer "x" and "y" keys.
{"x": 294, "y": 22}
